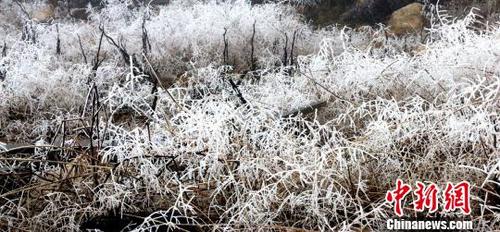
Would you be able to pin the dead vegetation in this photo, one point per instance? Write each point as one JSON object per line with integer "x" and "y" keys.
{"x": 196, "y": 118}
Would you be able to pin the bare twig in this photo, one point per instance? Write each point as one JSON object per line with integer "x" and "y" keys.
{"x": 4, "y": 49}
{"x": 161, "y": 85}
{"x": 146, "y": 45}
{"x": 98, "y": 62}
{"x": 31, "y": 149}
{"x": 94, "y": 122}
{"x": 324, "y": 87}
{"x": 81, "y": 49}
{"x": 285, "y": 50}
{"x": 121, "y": 48}
{"x": 225, "y": 52}
{"x": 238, "y": 92}
{"x": 252, "y": 42}
{"x": 293, "y": 47}
{"x": 53, "y": 162}
{"x": 58, "y": 42}
{"x": 23, "y": 9}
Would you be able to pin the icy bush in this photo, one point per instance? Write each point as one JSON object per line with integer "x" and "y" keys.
{"x": 194, "y": 33}
{"x": 314, "y": 144}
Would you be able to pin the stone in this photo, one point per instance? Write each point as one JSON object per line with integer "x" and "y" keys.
{"x": 72, "y": 4}
{"x": 351, "y": 12}
{"x": 372, "y": 11}
{"x": 44, "y": 13}
{"x": 79, "y": 13}
{"x": 406, "y": 20}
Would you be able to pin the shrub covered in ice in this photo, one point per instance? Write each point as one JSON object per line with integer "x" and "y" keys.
{"x": 313, "y": 141}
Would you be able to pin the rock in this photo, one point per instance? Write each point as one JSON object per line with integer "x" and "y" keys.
{"x": 326, "y": 12}
{"x": 352, "y": 12}
{"x": 72, "y": 4}
{"x": 79, "y": 13}
{"x": 418, "y": 50}
{"x": 406, "y": 20}
{"x": 44, "y": 13}
{"x": 372, "y": 11}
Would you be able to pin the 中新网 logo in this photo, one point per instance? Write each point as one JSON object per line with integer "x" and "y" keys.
{"x": 454, "y": 197}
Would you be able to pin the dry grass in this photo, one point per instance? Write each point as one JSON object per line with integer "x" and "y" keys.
{"x": 225, "y": 147}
